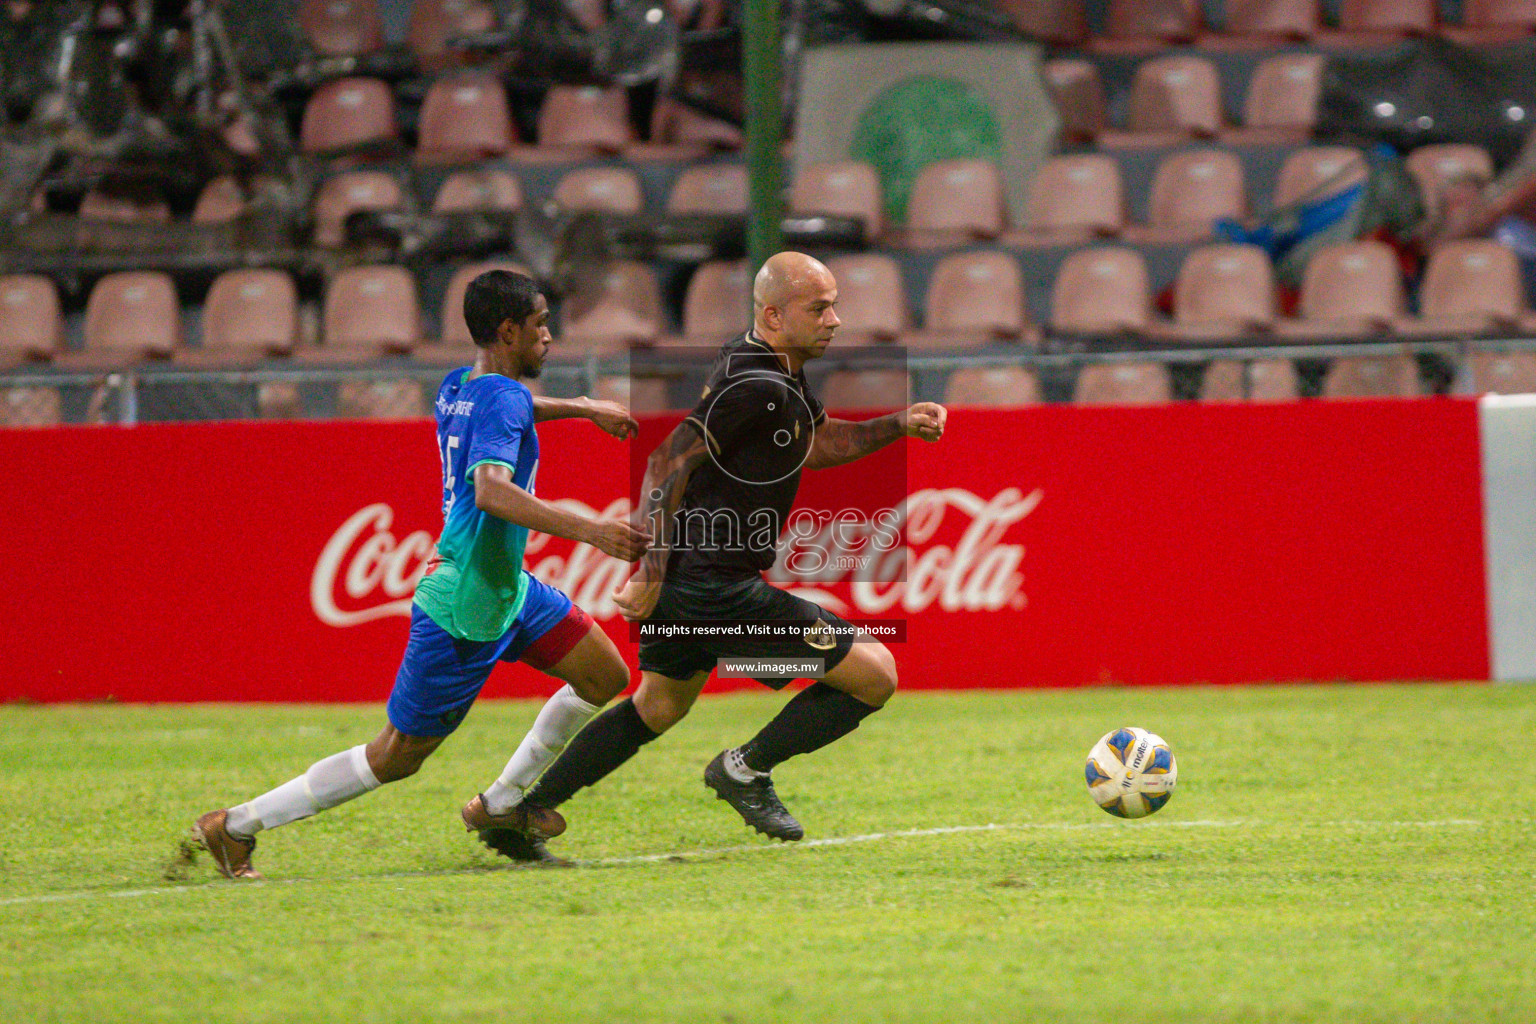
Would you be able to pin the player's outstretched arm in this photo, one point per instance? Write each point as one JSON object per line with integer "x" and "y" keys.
{"x": 610, "y": 416}
{"x": 496, "y": 494}
{"x": 839, "y": 442}
{"x": 661, "y": 492}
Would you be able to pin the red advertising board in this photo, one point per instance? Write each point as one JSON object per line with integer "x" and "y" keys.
{"x": 1052, "y": 546}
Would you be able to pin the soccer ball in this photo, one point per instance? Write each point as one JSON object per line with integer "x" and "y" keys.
{"x": 1131, "y": 772}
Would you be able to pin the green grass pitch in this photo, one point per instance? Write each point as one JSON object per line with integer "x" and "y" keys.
{"x": 1350, "y": 854}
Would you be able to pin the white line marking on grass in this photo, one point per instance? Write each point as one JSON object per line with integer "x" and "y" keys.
{"x": 722, "y": 851}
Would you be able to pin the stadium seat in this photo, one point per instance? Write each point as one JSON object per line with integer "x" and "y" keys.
{"x": 348, "y": 113}
{"x": 954, "y": 202}
{"x": 718, "y": 302}
{"x": 590, "y": 14}
{"x": 679, "y": 132}
{"x": 1437, "y": 167}
{"x": 1139, "y": 26}
{"x": 464, "y": 118}
{"x": 1191, "y": 190}
{"x": 247, "y": 315}
{"x": 1380, "y": 22}
{"x": 641, "y": 395}
{"x": 479, "y": 188}
{"x": 1078, "y": 92}
{"x": 1349, "y": 290}
{"x": 29, "y": 406}
{"x": 434, "y": 22}
{"x": 1128, "y": 383}
{"x": 222, "y": 200}
{"x": 368, "y": 310}
{"x": 1472, "y": 286}
{"x": 849, "y": 188}
{"x": 1102, "y": 290}
{"x": 709, "y": 189}
{"x": 1268, "y": 22}
{"x": 617, "y": 308}
{"x": 138, "y": 207}
{"x": 1173, "y": 99}
{"x": 1313, "y": 173}
{"x": 1372, "y": 377}
{"x": 341, "y": 28}
{"x": 1262, "y": 380}
{"x": 30, "y": 324}
{"x": 1053, "y": 21}
{"x": 996, "y": 386}
{"x": 883, "y": 389}
{"x": 871, "y": 302}
{"x": 974, "y": 298}
{"x": 600, "y": 189}
{"x": 1502, "y": 373}
{"x": 1224, "y": 292}
{"x": 1072, "y": 200}
{"x": 583, "y": 121}
{"x": 453, "y": 332}
{"x": 1281, "y": 104}
{"x": 129, "y": 315}
{"x": 1485, "y": 22}
{"x": 388, "y": 399}
{"x": 352, "y": 192}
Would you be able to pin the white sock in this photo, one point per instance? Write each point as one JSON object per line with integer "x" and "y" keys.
{"x": 335, "y": 780}
{"x": 562, "y": 717}
{"x": 737, "y": 768}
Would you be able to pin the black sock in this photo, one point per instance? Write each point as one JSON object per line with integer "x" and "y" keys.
{"x": 608, "y": 741}
{"x": 815, "y": 717}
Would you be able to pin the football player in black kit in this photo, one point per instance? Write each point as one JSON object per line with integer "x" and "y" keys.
{"x": 721, "y": 486}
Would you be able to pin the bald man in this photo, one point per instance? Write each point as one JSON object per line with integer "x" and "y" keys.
{"x": 721, "y": 486}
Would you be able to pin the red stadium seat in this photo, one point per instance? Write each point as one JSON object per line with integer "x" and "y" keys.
{"x": 128, "y": 316}
{"x": 1502, "y": 373}
{"x": 388, "y": 399}
{"x": 709, "y": 189}
{"x": 953, "y": 202}
{"x": 974, "y": 297}
{"x": 1224, "y": 292}
{"x": 600, "y": 189}
{"x": 1190, "y": 191}
{"x": 584, "y": 121}
{"x": 871, "y": 301}
{"x": 1372, "y": 377}
{"x": 435, "y": 22}
{"x": 679, "y": 132}
{"x": 453, "y": 331}
{"x": 30, "y": 324}
{"x": 1262, "y": 380}
{"x": 464, "y": 118}
{"x": 1055, "y": 21}
{"x": 1102, "y": 290}
{"x": 1072, "y": 200}
{"x": 1269, "y": 22}
{"x": 995, "y": 386}
{"x": 480, "y": 188}
{"x": 29, "y": 406}
{"x": 248, "y": 314}
{"x": 718, "y": 302}
{"x": 348, "y": 113}
{"x": 1485, "y": 22}
{"x": 1173, "y": 99}
{"x": 849, "y": 188}
{"x": 352, "y": 192}
{"x": 1378, "y": 22}
{"x": 1314, "y": 173}
{"x": 1349, "y": 290}
{"x": 369, "y": 309}
{"x": 884, "y": 389}
{"x": 1472, "y": 286}
{"x": 1281, "y": 104}
{"x": 222, "y": 200}
{"x": 1139, "y": 26}
{"x": 1078, "y": 92}
{"x": 620, "y": 307}
{"x": 1128, "y": 383}
{"x": 342, "y": 28}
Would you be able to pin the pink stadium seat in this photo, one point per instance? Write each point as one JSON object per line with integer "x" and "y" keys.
{"x": 1281, "y": 103}
{"x": 884, "y": 389}
{"x": 590, "y": 14}
{"x": 1128, "y": 383}
{"x": 1102, "y": 290}
{"x": 995, "y": 386}
{"x": 346, "y": 113}
{"x": 1314, "y": 173}
{"x": 29, "y": 407}
{"x": 622, "y": 308}
{"x": 453, "y": 331}
{"x": 1502, "y": 373}
{"x": 464, "y": 118}
{"x": 435, "y": 22}
{"x": 1055, "y": 21}
{"x": 1262, "y": 380}
{"x": 718, "y": 302}
{"x": 348, "y": 193}
{"x": 388, "y": 399}
{"x": 1224, "y": 292}
{"x": 974, "y": 297}
{"x": 1272, "y": 21}
{"x": 369, "y": 309}
{"x": 1493, "y": 21}
{"x": 1472, "y": 286}
{"x": 848, "y": 188}
{"x": 1349, "y": 290}
{"x": 1072, "y": 200}
{"x": 709, "y": 189}
{"x": 582, "y": 121}
{"x": 640, "y": 395}
{"x": 1139, "y": 26}
{"x": 30, "y": 324}
{"x": 1173, "y": 98}
{"x": 125, "y": 208}
{"x": 600, "y": 189}
{"x": 1372, "y": 377}
{"x": 1372, "y": 22}
{"x": 871, "y": 301}
{"x": 221, "y": 201}
{"x": 480, "y": 188}
{"x": 248, "y": 314}
{"x": 1437, "y": 167}
{"x": 128, "y": 316}
{"x": 341, "y": 28}
{"x": 955, "y": 201}
{"x": 679, "y": 132}
{"x": 1078, "y": 92}
{"x": 1190, "y": 190}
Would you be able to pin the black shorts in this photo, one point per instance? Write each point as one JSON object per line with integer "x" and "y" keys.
{"x": 740, "y": 601}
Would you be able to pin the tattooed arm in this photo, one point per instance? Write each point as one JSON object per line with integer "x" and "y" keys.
{"x": 661, "y": 492}
{"x": 839, "y": 442}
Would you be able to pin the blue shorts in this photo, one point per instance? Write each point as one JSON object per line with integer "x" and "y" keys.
{"x": 441, "y": 675}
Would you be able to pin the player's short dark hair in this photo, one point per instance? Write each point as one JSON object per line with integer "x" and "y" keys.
{"x": 494, "y": 296}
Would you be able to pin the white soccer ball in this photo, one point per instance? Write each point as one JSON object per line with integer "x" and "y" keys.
{"x": 1131, "y": 772}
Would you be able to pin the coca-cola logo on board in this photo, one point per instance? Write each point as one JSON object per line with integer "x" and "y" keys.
{"x": 365, "y": 572}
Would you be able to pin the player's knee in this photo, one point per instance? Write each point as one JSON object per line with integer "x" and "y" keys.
{"x": 881, "y": 683}
{"x": 391, "y": 763}
{"x": 660, "y": 711}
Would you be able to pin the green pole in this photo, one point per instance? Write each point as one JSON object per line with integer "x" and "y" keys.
{"x": 762, "y": 57}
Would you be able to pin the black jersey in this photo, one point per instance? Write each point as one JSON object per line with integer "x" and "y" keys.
{"x": 758, "y": 420}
